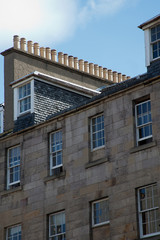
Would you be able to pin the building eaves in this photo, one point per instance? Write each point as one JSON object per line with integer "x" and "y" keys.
{"x": 110, "y": 91}
{"x": 150, "y": 21}
{"x": 59, "y": 82}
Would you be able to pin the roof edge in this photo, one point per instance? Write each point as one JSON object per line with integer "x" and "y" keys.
{"x": 150, "y": 21}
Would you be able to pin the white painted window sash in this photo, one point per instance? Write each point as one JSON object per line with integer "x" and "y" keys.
{"x": 56, "y": 151}
{"x": 102, "y": 223}
{"x": 138, "y": 139}
{"x": 9, "y": 183}
{"x": 91, "y": 133}
{"x": 17, "y": 112}
{"x": 63, "y": 220}
{"x": 16, "y": 227}
{"x": 145, "y": 211}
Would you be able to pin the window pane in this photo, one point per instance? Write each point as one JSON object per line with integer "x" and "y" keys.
{"x": 57, "y": 226}
{"x": 155, "y": 54}
{"x": 146, "y": 129}
{"x": 14, "y": 165}
{"x": 97, "y": 131}
{"x": 55, "y": 150}
{"x": 14, "y": 233}
{"x": 144, "y": 107}
{"x": 141, "y": 133}
{"x": 144, "y": 120}
{"x": 100, "y": 212}
{"x": 149, "y": 212}
{"x": 154, "y": 46}
{"x": 139, "y": 121}
{"x": 138, "y": 109}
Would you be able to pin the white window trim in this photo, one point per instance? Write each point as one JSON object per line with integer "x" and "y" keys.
{"x": 14, "y": 226}
{"x": 1, "y": 119}
{"x": 60, "y": 165}
{"x": 102, "y": 223}
{"x": 8, "y": 169}
{"x": 140, "y": 215}
{"x": 138, "y": 140}
{"x": 17, "y": 102}
{"x": 148, "y": 46}
{"x": 151, "y": 45}
{"x": 91, "y": 134}
{"x": 148, "y": 54}
{"x": 54, "y": 214}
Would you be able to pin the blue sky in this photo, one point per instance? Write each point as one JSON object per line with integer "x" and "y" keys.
{"x": 100, "y": 31}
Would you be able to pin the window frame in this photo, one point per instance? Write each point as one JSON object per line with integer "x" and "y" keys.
{"x": 101, "y": 130}
{"x": 12, "y": 227}
{"x": 92, "y": 206}
{"x": 138, "y": 139}
{"x": 22, "y": 98}
{"x": 157, "y": 41}
{"x": 63, "y": 218}
{"x": 17, "y": 100}
{"x": 147, "y": 210}
{"x": 10, "y": 185}
{"x": 1, "y": 119}
{"x": 57, "y": 166}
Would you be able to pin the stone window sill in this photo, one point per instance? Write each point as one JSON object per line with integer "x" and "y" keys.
{"x": 50, "y": 178}
{"x": 10, "y": 191}
{"x": 101, "y": 225}
{"x": 143, "y": 147}
{"x": 154, "y": 237}
{"x": 97, "y": 162}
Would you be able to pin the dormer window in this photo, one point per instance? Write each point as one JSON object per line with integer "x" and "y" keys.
{"x": 25, "y": 98}
{"x": 155, "y": 41}
{"x": 151, "y": 30}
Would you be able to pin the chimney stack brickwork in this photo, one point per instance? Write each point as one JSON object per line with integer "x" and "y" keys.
{"x": 69, "y": 61}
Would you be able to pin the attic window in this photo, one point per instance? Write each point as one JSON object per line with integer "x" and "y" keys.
{"x": 23, "y": 99}
{"x": 155, "y": 41}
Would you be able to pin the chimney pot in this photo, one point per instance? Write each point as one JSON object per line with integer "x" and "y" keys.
{"x": 123, "y": 77}
{"x": 100, "y": 71}
{"x": 23, "y": 44}
{"x": 81, "y": 65}
{"x": 96, "y": 70}
{"x": 75, "y": 62}
{"x": 48, "y": 53}
{"x": 60, "y": 58}
{"x": 71, "y": 62}
{"x": 105, "y": 73}
{"x": 66, "y": 59}
{"x": 54, "y": 55}
{"x": 30, "y": 46}
{"x": 91, "y": 68}
{"x": 110, "y": 75}
{"x": 16, "y": 41}
{"x": 36, "y": 49}
{"x": 42, "y": 52}
{"x": 86, "y": 67}
{"x": 115, "y": 77}
{"x": 119, "y": 77}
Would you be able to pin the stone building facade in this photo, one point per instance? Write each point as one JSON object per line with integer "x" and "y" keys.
{"x": 80, "y": 150}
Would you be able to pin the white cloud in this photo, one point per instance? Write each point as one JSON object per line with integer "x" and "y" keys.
{"x": 99, "y": 8}
{"x": 49, "y": 21}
